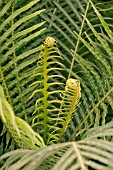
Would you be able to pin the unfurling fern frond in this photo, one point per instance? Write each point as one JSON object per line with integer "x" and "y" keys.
{"x": 22, "y": 134}
{"x": 53, "y": 112}
{"x": 48, "y": 82}
{"x": 70, "y": 99}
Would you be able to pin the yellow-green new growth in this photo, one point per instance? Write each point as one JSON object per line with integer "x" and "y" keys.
{"x": 48, "y": 81}
{"x": 50, "y": 41}
{"x": 70, "y": 99}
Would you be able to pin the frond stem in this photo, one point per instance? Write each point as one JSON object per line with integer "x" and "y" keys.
{"x": 80, "y": 159}
{"x": 45, "y": 94}
{"x": 14, "y": 55}
{"x": 5, "y": 86}
{"x": 78, "y": 40}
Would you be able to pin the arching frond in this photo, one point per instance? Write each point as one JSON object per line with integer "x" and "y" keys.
{"x": 84, "y": 154}
{"x": 70, "y": 99}
{"x": 96, "y": 76}
{"x": 19, "y": 130}
{"x": 15, "y": 64}
{"x": 16, "y": 58}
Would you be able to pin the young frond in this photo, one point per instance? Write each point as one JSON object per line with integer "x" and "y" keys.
{"x": 48, "y": 86}
{"x": 70, "y": 99}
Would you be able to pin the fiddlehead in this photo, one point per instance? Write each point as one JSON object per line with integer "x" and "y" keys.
{"x": 70, "y": 97}
{"x": 53, "y": 112}
{"x": 48, "y": 81}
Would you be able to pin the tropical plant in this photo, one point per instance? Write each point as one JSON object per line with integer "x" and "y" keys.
{"x": 33, "y": 77}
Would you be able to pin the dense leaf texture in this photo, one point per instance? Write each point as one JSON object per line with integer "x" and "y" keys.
{"x": 86, "y": 43}
{"x": 19, "y": 130}
{"x": 53, "y": 112}
{"x": 48, "y": 88}
{"x": 15, "y": 61}
{"x": 72, "y": 155}
{"x": 17, "y": 56}
{"x": 93, "y": 66}
{"x": 99, "y": 81}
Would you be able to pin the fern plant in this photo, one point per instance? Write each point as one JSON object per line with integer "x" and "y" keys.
{"x": 84, "y": 154}
{"x": 47, "y": 80}
{"x": 88, "y": 65}
{"x": 15, "y": 35}
{"x": 70, "y": 99}
{"x": 21, "y": 133}
{"x": 51, "y": 116}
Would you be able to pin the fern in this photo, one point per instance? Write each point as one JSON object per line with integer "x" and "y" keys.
{"x": 46, "y": 79}
{"x": 15, "y": 66}
{"x": 70, "y": 99}
{"x": 15, "y": 63}
{"x": 21, "y": 133}
{"x": 91, "y": 64}
{"x": 51, "y": 116}
{"x": 88, "y": 153}
{"x": 91, "y": 70}
{"x": 63, "y": 18}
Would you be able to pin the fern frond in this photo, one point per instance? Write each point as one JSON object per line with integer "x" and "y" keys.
{"x": 20, "y": 131}
{"x": 70, "y": 99}
{"x": 5, "y": 107}
{"x": 45, "y": 78}
{"x": 89, "y": 153}
{"x": 104, "y": 24}
{"x": 96, "y": 75}
{"x": 16, "y": 53}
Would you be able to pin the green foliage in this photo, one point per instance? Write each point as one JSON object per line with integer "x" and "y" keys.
{"x": 84, "y": 154}
{"x": 21, "y": 133}
{"x": 53, "y": 112}
{"x": 70, "y": 99}
{"x": 15, "y": 36}
{"x": 15, "y": 59}
{"x": 62, "y": 20}
{"x": 85, "y": 43}
{"x": 103, "y": 78}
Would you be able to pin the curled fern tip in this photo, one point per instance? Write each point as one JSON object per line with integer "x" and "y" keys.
{"x": 50, "y": 41}
{"x": 72, "y": 83}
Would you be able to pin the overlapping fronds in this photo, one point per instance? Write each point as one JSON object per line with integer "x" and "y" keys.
{"x": 53, "y": 113}
{"x": 87, "y": 57}
{"x": 85, "y": 154}
{"x": 16, "y": 54}
{"x": 93, "y": 68}
{"x": 22, "y": 134}
{"x": 98, "y": 75}
{"x": 62, "y": 18}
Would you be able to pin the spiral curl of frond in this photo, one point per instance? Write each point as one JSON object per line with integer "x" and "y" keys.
{"x": 70, "y": 99}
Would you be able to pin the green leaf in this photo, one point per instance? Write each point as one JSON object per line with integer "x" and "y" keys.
{"x": 85, "y": 154}
{"x": 19, "y": 130}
